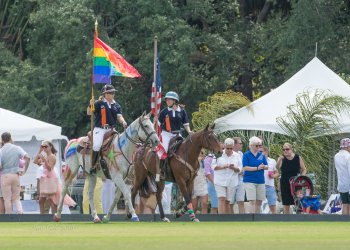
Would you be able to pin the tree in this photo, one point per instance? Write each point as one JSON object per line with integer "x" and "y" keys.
{"x": 309, "y": 125}
{"x": 217, "y": 105}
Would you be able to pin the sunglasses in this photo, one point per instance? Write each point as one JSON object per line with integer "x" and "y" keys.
{"x": 229, "y": 148}
{"x": 258, "y": 146}
{"x": 44, "y": 146}
{"x": 285, "y": 149}
{"x": 110, "y": 93}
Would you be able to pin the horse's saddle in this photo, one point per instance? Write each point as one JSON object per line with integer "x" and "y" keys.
{"x": 84, "y": 145}
{"x": 166, "y": 172}
{"x": 174, "y": 145}
{"x": 107, "y": 141}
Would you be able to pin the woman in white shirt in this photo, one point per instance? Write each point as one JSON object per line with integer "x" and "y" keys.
{"x": 226, "y": 176}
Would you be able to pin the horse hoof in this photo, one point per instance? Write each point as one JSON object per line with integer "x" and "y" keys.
{"x": 165, "y": 219}
{"x": 56, "y": 218}
{"x": 195, "y": 220}
{"x": 105, "y": 219}
{"x": 135, "y": 219}
{"x": 97, "y": 220}
{"x": 129, "y": 215}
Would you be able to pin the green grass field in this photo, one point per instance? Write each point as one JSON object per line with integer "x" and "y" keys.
{"x": 181, "y": 236}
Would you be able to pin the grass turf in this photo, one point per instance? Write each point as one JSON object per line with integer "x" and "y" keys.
{"x": 181, "y": 236}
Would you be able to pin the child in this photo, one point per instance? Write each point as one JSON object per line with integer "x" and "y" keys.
{"x": 309, "y": 202}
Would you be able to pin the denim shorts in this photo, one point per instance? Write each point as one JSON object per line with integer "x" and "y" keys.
{"x": 271, "y": 195}
{"x": 214, "y": 202}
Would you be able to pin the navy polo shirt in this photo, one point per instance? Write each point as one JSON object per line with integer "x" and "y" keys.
{"x": 112, "y": 111}
{"x": 249, "y": 160}
{"x": 178, "y": 118}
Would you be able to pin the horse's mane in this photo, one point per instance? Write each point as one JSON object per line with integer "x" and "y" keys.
{"x": 71, "y": 148}
{"x": 198, "y": 133}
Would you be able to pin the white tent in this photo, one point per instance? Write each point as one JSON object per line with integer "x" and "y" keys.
{"x": 262, "y": 113}
{"x": 28, "y": 133}
{"x": 23, "y": 128}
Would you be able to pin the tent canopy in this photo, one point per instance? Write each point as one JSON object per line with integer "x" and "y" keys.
{"x": 23, "y": 128}
{"x": 262, "y": 113}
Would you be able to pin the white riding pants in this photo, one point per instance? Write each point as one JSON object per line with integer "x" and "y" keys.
{"x": 166, "y": 137}
{"x": 98, "y": 138}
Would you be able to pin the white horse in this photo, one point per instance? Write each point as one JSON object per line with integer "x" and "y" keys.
{"x": 119, "y": 160}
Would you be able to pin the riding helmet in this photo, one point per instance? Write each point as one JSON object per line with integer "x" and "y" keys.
{"x": 172, "y": 95}
{"x": 108, "y": 89}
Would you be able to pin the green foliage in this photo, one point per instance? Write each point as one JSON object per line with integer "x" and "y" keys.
{"x": 217, "y": 105}
{"x": 309, "y": 125}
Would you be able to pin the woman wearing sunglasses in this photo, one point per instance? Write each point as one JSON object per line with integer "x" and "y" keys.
{"x": 290, "y": 164}
{"x": 46, "y": 159}
{"x": 49, "y": 184}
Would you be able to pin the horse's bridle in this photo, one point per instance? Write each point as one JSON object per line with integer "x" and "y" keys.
{"x": 144, "y": 130}
{"x": 136, "y": 142}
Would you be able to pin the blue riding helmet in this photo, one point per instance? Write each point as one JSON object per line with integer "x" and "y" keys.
{"x": 172, "y": 95}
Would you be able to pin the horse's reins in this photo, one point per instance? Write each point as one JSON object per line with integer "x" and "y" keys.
{"x": 135, "y": 142}
{"x": 181, "y": 160}
{"x": 144, "y": 130}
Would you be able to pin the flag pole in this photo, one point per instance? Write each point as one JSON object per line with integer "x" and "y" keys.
{"x": 92, "y": 102}
{"x": 155, "y": 51}
{"x": 155, "y": 81}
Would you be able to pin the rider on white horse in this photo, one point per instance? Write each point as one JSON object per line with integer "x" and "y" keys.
{"x": 172, "y": 119}
{"x": 107, "y": 113}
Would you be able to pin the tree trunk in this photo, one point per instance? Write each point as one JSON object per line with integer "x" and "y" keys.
{"x": 264, "y": 12}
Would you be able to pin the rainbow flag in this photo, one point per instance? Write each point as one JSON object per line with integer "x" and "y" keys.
{"x": 109, "y": 63}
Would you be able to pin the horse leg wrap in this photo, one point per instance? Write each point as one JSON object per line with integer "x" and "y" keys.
{"x": 192, "y": 215}
{"x": 181, "y": 212}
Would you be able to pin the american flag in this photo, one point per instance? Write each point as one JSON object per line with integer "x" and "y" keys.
{"x": 156, "y": 100}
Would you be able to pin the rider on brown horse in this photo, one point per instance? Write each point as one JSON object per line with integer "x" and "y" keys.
{"x": 172, "y": 119}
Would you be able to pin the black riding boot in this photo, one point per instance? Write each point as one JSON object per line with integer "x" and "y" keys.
{"x": 94, "y": 157}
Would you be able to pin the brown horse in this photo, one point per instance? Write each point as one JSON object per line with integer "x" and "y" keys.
{"x": 183, "y": 164}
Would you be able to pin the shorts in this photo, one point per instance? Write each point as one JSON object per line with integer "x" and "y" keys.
{"x": 254, "y": 191}
{"x": 226, "y": 192}
{"x": 213, "y": 197}
{"x": 238, "y": 193}
{"x": 271, "y": 195}
{"x": 200, "y": 190}
{"x": 345, "y": 198}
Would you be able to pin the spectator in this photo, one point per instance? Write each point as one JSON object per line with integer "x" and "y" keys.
{"x": 209, "y": 161}
{"x": 239, "y": 192}
{"x": 309, "y": 202}
{"x": 291, "y": 164}
{"x": 50, "y": 186}
{"x": 200, "y": 187}
{"x": 97, "y": 196}
{"x": 107, "y": 195}
{"x": 270, "y": 175}
{"x": 2, "y": 206}
{"x": 39, "y": 173}
{"x": 342, "y": 165}
{"x": 254, "y": 162}
{"x": 10, "y": 184}
{"x": 226, "y": 176}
